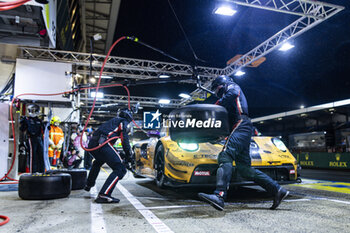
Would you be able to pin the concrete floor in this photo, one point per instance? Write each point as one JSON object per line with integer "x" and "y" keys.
{"x": 146, "y": 208}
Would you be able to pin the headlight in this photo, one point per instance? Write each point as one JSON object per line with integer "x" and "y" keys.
{"x": 188, "y": 146}
{"x": 279, "y": 144}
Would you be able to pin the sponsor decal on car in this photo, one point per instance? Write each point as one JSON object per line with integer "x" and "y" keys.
{"x": 205, "y": 156}
{"x": 202, "y": 173}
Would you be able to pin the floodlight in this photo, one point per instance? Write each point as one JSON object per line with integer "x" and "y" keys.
{"x": 164, "y": 101}
{"x": 92, "y": 80}
{"x": 164, "y": 76}
{"x": 183, "y": 95}
{"x": 286, "y": 46}
{"x": 239, "y": 73}
{"x": 98, "y": 95}
{"x": 104, "y": 76}
{"x": 225, "y": 10}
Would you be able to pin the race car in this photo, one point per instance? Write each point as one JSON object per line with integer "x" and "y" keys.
{"x": 177, "y": 164}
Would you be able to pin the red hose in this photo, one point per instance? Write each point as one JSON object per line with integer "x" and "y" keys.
{"x": 6, "y": 220}
{"x": 16, "y": 182}
{"x": 13, "y": 3}
{"x": 93, "y": 105}
{"x": 4, "y": 6}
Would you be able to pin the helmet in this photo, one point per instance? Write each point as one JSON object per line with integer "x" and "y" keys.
{"x": 33, "y": 110}
{"x": 126, "y": 113}
{"x": 55, "y": 120}
{"x": 222, "y": 81}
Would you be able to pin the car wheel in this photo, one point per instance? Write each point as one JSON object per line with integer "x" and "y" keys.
{"x": 79, "y": 176}
{"x": 40, "y": 186}
{"x": 159, "y": 166}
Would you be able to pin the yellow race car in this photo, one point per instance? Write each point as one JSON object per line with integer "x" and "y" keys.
{"x": 172, "y": 163}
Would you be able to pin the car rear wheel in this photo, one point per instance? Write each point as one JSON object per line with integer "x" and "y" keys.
{"x": 159, "y": 166}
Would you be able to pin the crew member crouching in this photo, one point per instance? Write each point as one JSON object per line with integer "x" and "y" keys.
{"x": 107, "y": 154}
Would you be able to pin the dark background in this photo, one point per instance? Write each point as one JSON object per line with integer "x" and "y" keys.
{"x": 315, "y": 71}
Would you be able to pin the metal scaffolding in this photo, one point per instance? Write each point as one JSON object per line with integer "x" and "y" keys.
{"x": 122, "y": 100}
{"x": 119, "y": 67}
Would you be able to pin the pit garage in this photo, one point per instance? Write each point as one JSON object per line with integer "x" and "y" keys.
{"x": 141, "y": 116}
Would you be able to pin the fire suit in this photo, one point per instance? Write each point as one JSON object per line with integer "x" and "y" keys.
{"x": 33, "y": 127}
{"x": 107, "y": 154}
{"x": 56, "y": 139}
{"x": 238, "y": 144}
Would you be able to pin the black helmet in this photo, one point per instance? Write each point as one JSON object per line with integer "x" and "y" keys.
{"x": 222, "y": 80}
{"x": 33, "y": 110}
{"x": 126, "y": 113}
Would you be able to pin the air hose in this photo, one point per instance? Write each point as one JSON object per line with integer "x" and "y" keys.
{"x": 6, "y": 220}
{"x": 4, "y": 6}
{"x": 98, "y": 86}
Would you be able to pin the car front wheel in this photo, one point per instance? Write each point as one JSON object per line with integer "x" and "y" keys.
{"x": 159, "y": 166}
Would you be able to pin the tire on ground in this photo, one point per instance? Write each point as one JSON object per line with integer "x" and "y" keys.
{"x": 44, "y": 186}
{"x": 201, "y": 123}
{"x": 79, "y": 176}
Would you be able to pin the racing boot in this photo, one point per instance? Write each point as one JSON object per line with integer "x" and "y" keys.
{"x": 87, "y": 188}
{"x": 101, "y": 198}
{"x": 214, "y": 200}
{"x": 279, "y": 196}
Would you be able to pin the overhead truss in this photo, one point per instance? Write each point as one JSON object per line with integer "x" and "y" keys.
{"x": 305, "y": 8}
{"x": 122, "y": 100}
{"x": 119, "y": 66}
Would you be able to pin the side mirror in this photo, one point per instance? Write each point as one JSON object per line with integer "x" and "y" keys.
{"x": 153, "y": 133}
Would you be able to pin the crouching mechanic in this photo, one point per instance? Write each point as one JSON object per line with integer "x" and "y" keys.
{"x": 107, "y": 154}
{"x": 237, "y": 147}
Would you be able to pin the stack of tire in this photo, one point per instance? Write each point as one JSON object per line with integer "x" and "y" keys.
{"x": 51, "y": 185}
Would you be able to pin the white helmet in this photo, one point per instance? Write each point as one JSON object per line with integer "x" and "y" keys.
{"x": 33, "y": 110}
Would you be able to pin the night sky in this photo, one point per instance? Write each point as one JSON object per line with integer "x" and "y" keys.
{"x": 316, "y": 71}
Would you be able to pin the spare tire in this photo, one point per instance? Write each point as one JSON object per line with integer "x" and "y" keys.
{"x": 40, "y": 186}
{"x": 79, "y": 176}
{"x": 198, "y": 123}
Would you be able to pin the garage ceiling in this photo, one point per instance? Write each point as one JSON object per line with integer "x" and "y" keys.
{"x": 99, "y": 16}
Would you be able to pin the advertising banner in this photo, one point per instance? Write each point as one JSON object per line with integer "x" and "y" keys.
{"x": 324, "y": 160}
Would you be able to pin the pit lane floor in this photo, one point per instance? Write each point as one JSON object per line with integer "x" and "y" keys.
{"x": 146, "y": 208}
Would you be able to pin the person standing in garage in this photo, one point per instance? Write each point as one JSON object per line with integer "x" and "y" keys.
{"x": 117, "y": 126}
{"x": 237, "y": 147}
{"x": 56, "y": 139}
{"x": 87, "y": 156}
{"x": 33, "y": 127}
